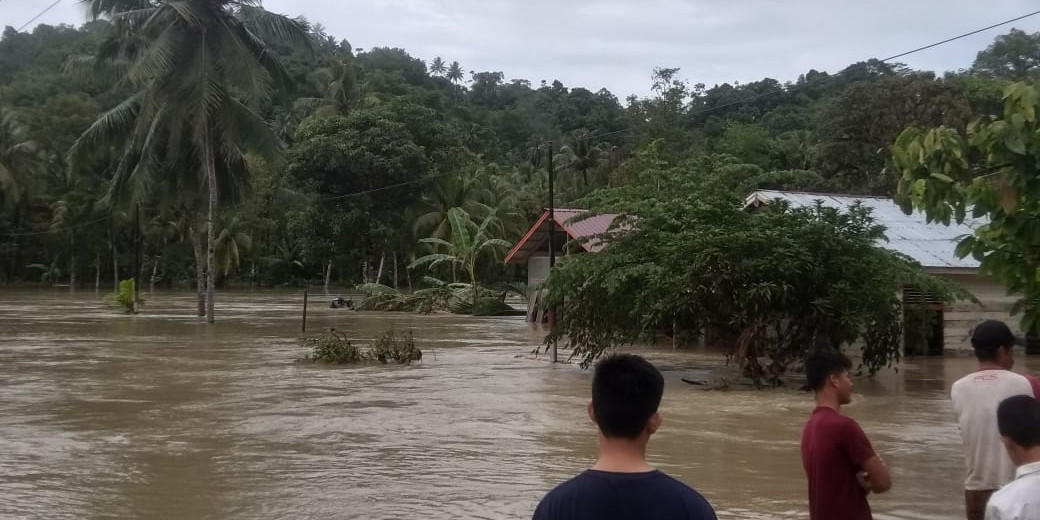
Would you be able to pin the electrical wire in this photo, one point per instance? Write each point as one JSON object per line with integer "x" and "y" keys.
{"x": 41, "y": 13}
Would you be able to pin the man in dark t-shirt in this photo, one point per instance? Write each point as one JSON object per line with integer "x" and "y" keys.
{"x": 839, "y": 461}
{"x": 626, "y": 391}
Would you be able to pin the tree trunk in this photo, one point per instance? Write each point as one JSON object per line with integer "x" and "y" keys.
{"x": 97, "y": 272}
{"x": 200, "y": 272}
{"x": 211, "y": 239}
{"x": 364, "y": 271}
{"x": 379, "y": 273}
{"x": 155, "y": 272}
{"x": 395, "y": 270}
{"x": 72, "y": 262}
{"x": 115, "y": 261}
{"x": 328, "y": 275}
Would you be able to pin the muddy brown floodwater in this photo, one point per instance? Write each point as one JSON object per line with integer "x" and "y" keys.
{"x": 105, "y": 415}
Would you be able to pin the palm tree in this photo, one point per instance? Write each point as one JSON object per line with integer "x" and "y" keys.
{"x": 468, "y": 243}
{"x": 339, "y": 87}
{"x": 437, "y": 67}
{"x": 461, "y": 192}
{"x": 198, "y": 67}
{"x": 20, "y": 159}
{"x": 582, "y": 155}
{"x": 231, "y": 244}
{"x": 455, "y": 73}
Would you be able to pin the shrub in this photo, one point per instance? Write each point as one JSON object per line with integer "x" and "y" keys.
{"x": 333, "y": 348}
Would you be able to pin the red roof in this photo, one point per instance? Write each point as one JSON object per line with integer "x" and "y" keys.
{"x": 538, "y": 235}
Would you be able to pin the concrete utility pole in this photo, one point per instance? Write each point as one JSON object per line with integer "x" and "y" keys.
{"x": 552, "y": 244}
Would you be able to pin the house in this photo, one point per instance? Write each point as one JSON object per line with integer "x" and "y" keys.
{"x": 533, "y": 249}
{"x": 932, "y": 246}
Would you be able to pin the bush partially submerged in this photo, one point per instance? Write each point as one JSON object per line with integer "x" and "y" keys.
{"x": 439, "y": 296}
{"x": 334, "y": 348}
{"x": 389, "y": 348}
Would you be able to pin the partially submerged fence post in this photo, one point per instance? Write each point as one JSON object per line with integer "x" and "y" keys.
{"x": 303, "y": 325}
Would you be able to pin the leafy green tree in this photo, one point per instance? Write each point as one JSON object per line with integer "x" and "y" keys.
{"x": 990, "y": 170}
{"x": 1013, "y": 56}
{"x": 198, "y": 67}
{"x": 767, "y": 286}
{"x": 868, "y": 117}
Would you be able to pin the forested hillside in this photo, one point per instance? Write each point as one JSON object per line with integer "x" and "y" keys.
{"x": 376, "y": 146}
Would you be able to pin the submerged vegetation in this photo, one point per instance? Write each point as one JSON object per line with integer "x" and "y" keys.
{"x": 332, "y": 347}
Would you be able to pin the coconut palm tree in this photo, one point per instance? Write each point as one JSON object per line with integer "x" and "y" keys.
{"x": 199, "y": 67}
{"x": 20, "y": 159}
{"x": 455, "y": 73}
{"x": 231, "y": 244}
{"x": 462, "y": 192}
{"x": 340, "y": 89}
{"x": 437, "y": 67}
{"x": 582, "y": 155}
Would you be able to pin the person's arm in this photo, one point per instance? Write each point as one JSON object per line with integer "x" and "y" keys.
{"x": 877, "y": 478}
{"x": 862, "y": 455}
{"x": 993, "y": 512}
{"x": 1035, "y": 384}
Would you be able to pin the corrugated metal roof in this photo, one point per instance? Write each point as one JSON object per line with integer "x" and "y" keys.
{"x": 539, "y": 232}
{"x": 931, "y": 245}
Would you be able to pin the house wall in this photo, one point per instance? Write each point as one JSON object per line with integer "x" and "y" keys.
{"x": 960, "y": 317}
{"x": 537, "y": 269}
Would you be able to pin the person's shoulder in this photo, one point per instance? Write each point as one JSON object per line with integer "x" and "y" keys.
{"x": 570, "y": 487}
{"x": 690, "y": 495}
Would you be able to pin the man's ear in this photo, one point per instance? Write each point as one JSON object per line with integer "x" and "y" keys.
{"x": 654, "y": 423}
{"x": 592, "y": 413}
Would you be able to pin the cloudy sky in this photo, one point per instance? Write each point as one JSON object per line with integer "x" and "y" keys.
{"x": 616, "y": 43}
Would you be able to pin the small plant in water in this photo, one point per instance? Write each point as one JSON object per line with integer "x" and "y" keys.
{"x": 391, "y": 348}
{"x": 124, "y": 296}
{"x": 333, "y": 348}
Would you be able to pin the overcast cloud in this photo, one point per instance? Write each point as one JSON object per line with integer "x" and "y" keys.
{"x": 616, "y": 43}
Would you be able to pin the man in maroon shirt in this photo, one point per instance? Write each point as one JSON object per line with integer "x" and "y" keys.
{"x": 838, "y": 459}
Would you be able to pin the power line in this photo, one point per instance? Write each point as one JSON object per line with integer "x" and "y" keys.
{"x": 388, "y": 187}
{"x": 41, "y": 13}
{"x": 48, "y": 232}
{"x": 965, "y": 35}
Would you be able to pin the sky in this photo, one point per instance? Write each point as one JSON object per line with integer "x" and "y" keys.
{"x": 616, "y": 44}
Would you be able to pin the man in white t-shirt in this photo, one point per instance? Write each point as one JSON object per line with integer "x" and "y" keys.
{"x": 975, "y": 400}
{"x": 1018, "y": 419}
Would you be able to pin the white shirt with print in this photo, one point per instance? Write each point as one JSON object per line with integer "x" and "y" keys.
{"x": 975, "y": 400}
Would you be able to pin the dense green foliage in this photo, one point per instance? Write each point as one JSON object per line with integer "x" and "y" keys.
{"x": 992, "y": 169}
{"x": 769, "y": 285}
{"x": 337, "y": 174}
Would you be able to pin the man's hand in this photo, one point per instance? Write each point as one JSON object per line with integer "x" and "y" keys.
{"x": 864, "y": 480}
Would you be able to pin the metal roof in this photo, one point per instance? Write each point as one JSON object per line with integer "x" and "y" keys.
{"x": 537, "y": 237}
{"x": 931, "y": 245}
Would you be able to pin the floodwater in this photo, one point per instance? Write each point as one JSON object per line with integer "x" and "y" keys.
{"x": 105, "y": 415}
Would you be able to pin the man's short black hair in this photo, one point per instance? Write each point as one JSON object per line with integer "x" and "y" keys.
{"x": 626, "y": 391}
{"x": 822, "y": 364}
{"x": 1018, "y": 418}
{"x": 990, "y": 336}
